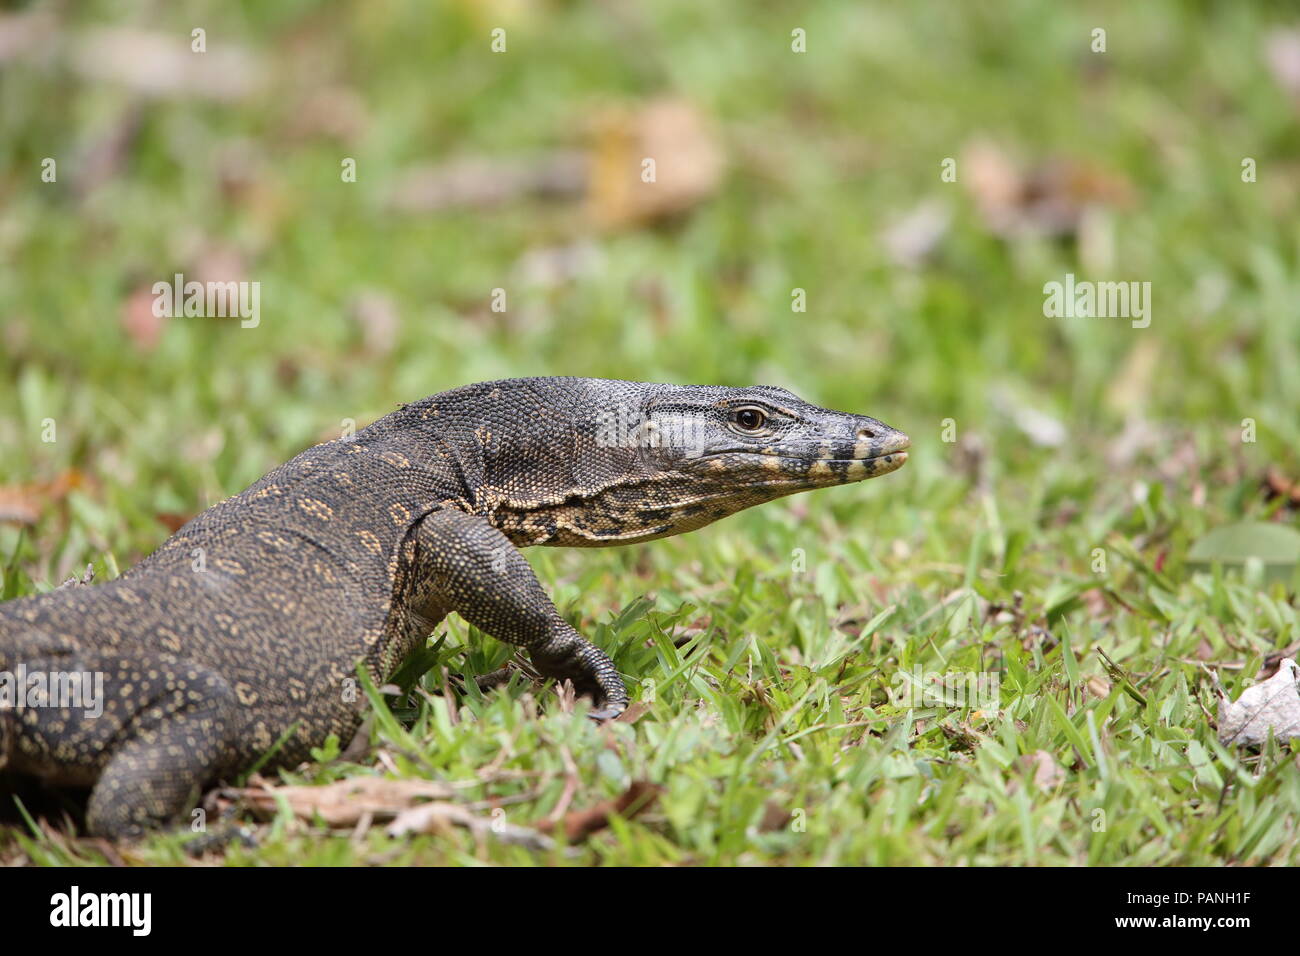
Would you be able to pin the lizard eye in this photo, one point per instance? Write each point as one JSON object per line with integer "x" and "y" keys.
{"x": 749, "y": 419}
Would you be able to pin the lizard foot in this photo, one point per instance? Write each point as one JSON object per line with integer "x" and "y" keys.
{"x": 593, "y": 674}
{"x": 602, "y": 714}
{"x": 221, "y": 836}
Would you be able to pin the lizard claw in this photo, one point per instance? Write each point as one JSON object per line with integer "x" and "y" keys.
{"x": 224, "y": 835}
{"x": 606, "y": 713}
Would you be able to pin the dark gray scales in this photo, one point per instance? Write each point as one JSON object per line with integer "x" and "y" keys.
{"x": 247, "y": 625}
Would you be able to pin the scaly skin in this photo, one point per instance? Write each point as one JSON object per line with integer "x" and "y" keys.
{"x": 247, "y": 625}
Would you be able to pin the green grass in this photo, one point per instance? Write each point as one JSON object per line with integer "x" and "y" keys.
{"x": 979, "y": 556}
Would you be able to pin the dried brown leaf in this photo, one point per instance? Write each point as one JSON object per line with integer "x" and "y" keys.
{"x": 163, "y": 64}
{"x": 143, "y": 328}
{"x": 1047, "y": 773}
{"x": 478, "y": 182}
{"x": 23, "y": 503}
{"x": 1050, "y": 198}
{"x": 580, "y": 824}
{"x": 1282, "y": 51}
{"x": 344, "y": 802}
{"x": 440, "y": 817}
{"x": 688, "y": 163}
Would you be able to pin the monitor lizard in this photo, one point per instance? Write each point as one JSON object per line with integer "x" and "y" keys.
{"x": 239, "y": 635}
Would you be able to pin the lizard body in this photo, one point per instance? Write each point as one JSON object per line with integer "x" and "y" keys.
{"x": 242, "y": 630}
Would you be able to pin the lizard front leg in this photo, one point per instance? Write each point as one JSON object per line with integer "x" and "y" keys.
{"x": 483, "y": 577}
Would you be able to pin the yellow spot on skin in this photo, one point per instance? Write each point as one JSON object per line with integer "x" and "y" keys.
{"x": 857, "y": 470}
{"x": 316, "y": 508}
{"x": 396, "y": 460}
{"x": 369, "y": 541}
{"x": 861, "y": 449}
{"x": 819, "y": 469}
{"x": 399, "y": 514}
{"x": 273, "y": 539}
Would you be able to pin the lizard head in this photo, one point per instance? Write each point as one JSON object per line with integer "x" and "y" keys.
{"x": 593, "y": 462}
{"x": 719, "y": 450}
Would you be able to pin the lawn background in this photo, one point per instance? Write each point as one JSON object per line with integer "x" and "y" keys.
{"x": 770, "y": 733}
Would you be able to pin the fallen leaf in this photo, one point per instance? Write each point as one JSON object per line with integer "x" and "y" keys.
{"x": 30, "y": 34}
{"x": 1095, "y": 600}
{"x": 775, "y": 817}
{"x": 376, "y": 314}
{"x": 335, "y": 112}
{"x": 687, "y": 156}
{"x": 1139, "y": 436}
{"x": 440, "y": 817}
{"x": 163, "y": 64}
{"x": 635, "y": 711}
{"x": 1047, "y": 199}
{"x": 103, "y": 157}
{"x": 344, "y": 802}
{"x": 22, "y": 504}
{"x": 477, "y": 182}
{"x": 1098, "y": 686}
{"x": 1047, "y": 772}
{"x": 580, "y": 824}
{"x": 143, "y": 328}
{"x": 173, "y": 521}
{"x": 1271, "y": 706}
{"x": 219, "y": 262}
{"x": 912, "y": 240}
{"x": 18, "y": 505}
{"x": 1282, "y": 51}
{"x": 554, "y": 265}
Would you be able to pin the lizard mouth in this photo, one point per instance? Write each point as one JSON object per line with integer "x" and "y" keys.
{"x": 890, "y": 455}
{"x": 884, "y": 464}
{"x": 857, "y": 469}
{"x": 836, "y": 471}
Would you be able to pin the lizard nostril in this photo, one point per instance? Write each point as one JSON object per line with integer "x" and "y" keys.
{"x": 866, "y": 432}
